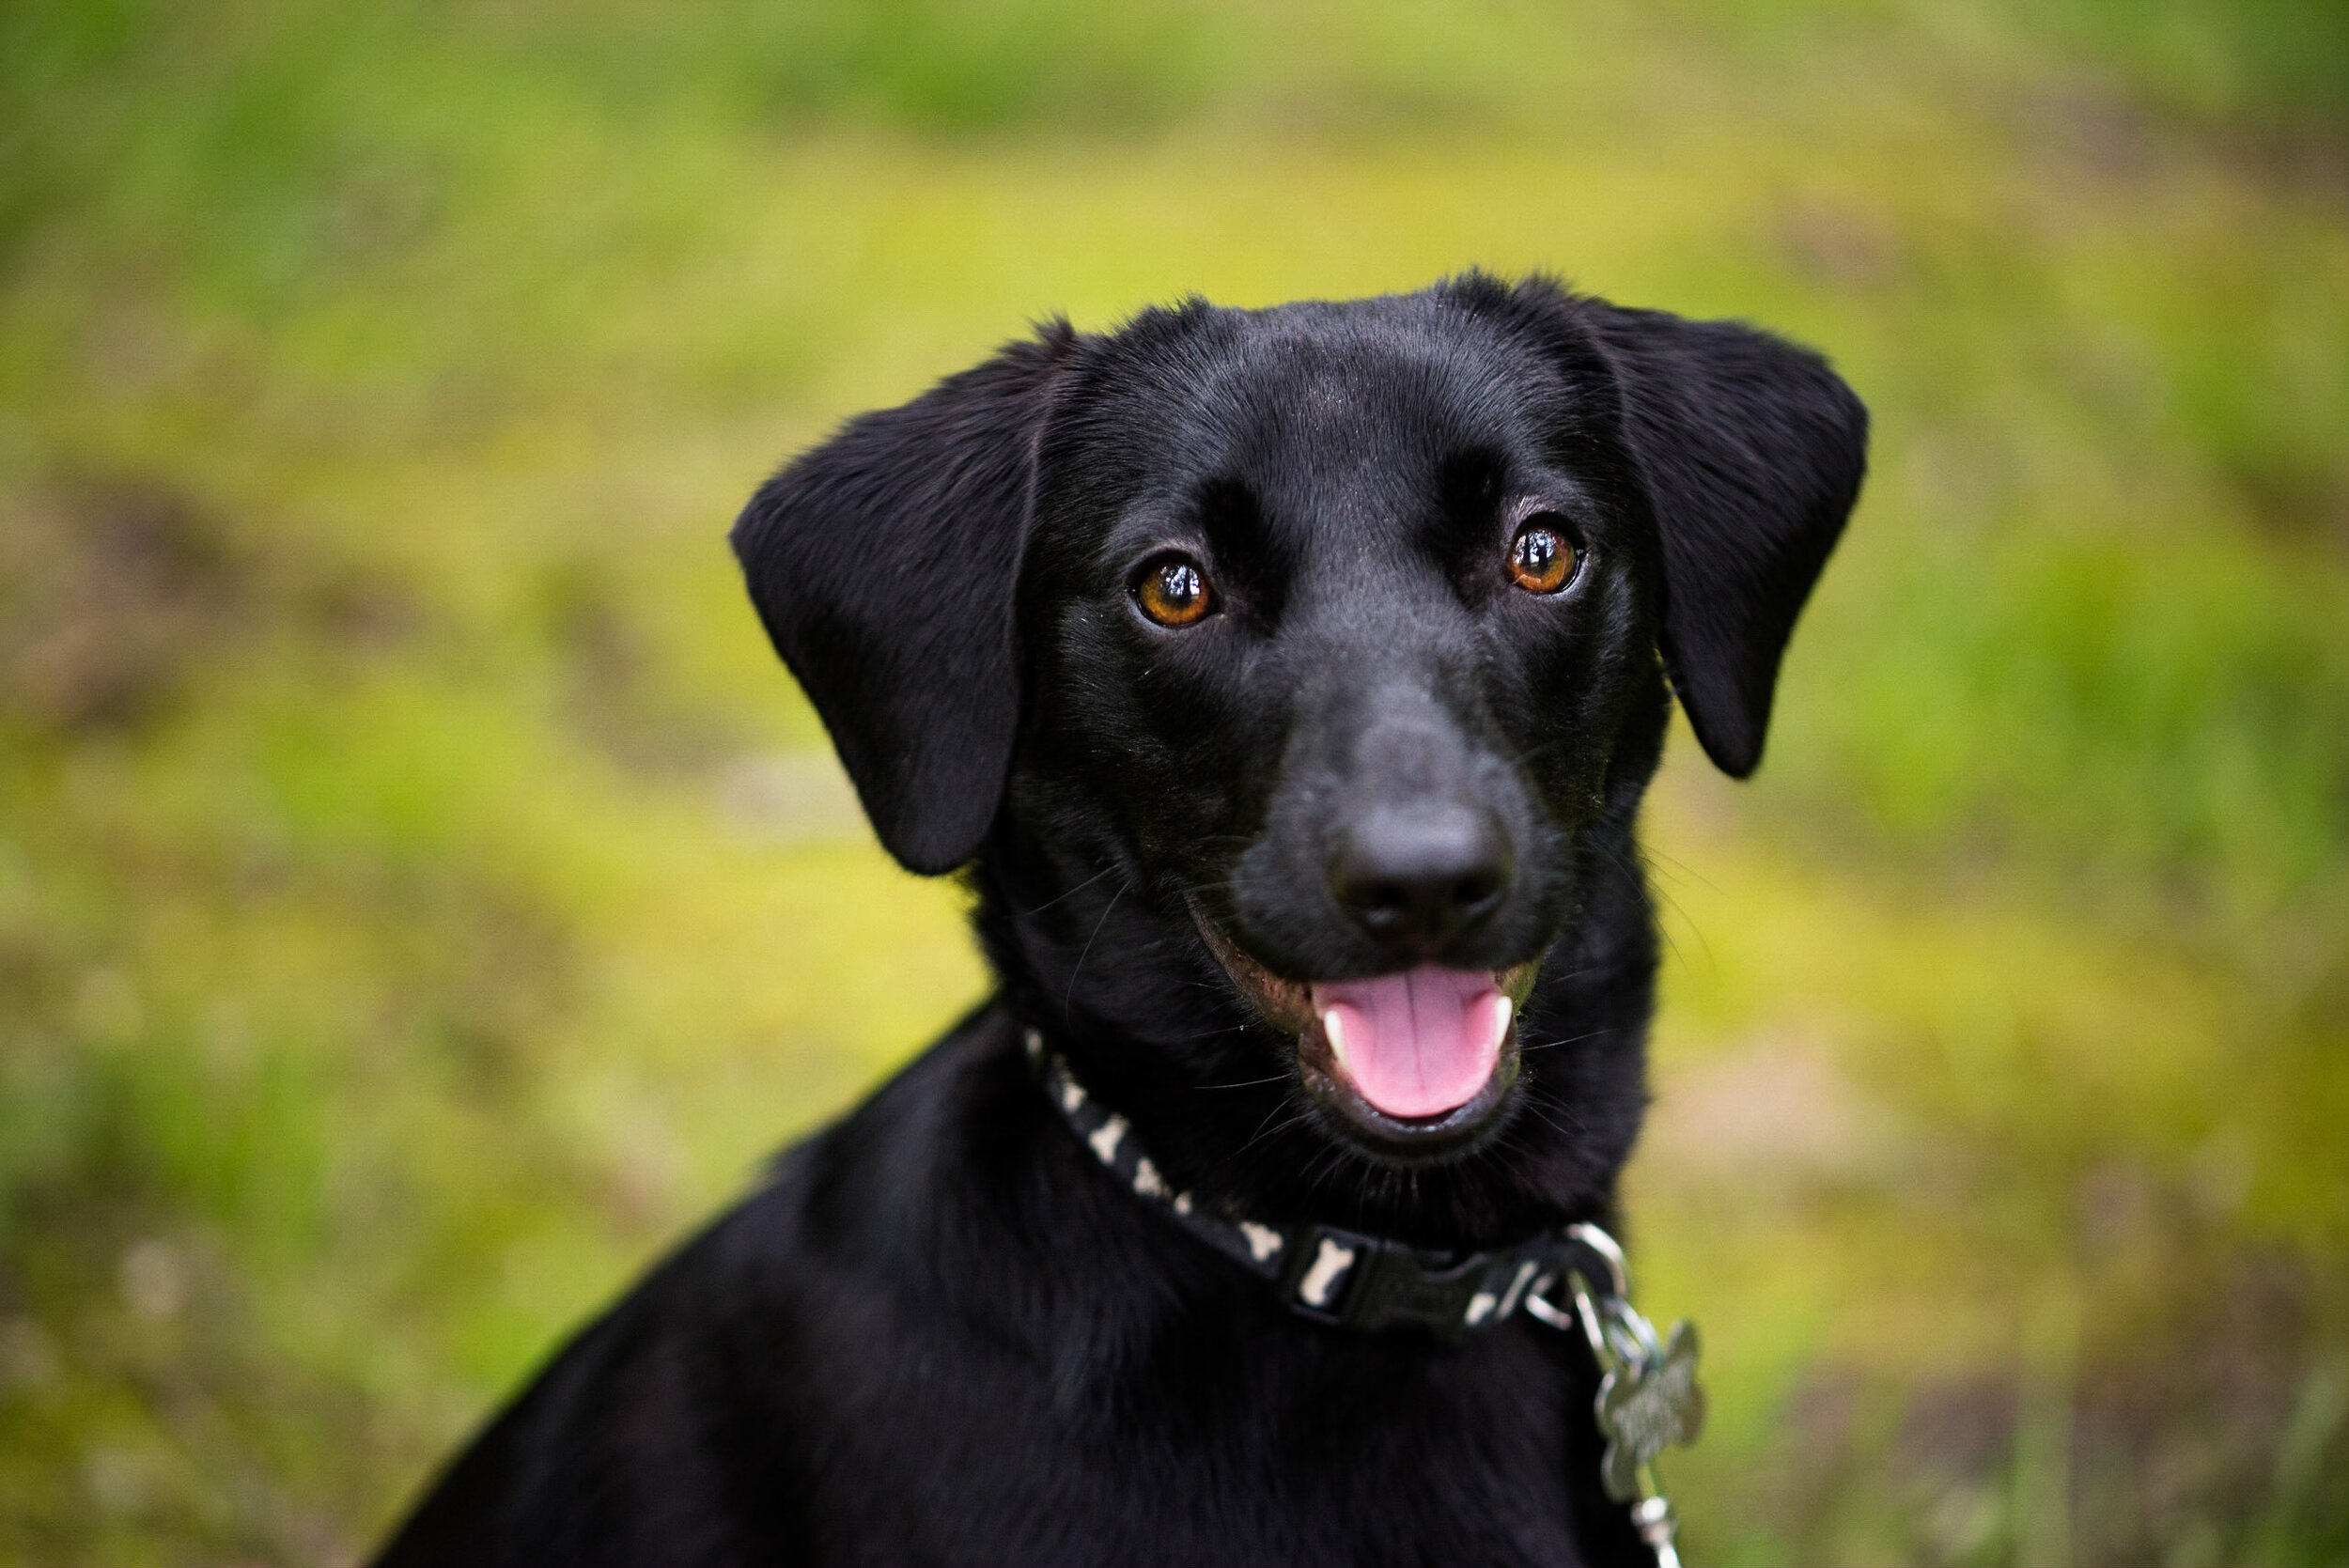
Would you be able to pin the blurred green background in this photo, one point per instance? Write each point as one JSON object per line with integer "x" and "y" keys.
{"x": 422, "y": 898}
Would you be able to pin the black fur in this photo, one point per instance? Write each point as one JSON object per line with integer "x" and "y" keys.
{"x": 940, "y": 1334}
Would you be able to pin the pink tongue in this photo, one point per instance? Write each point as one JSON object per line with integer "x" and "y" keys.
{"x": 1416, "y": 1044}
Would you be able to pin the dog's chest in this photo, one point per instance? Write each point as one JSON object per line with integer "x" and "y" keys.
{"x": 1284, "y": 1450}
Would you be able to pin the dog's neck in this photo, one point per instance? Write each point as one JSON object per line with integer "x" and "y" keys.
{"x": 1124, "y": 987}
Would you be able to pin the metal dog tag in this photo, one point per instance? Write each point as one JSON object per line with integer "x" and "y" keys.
{"x": 1646, "y": 1404}
{"x": 1648, "y": 1397}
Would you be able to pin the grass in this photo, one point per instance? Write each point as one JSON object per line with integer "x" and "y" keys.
{"x": 423, "y": 899}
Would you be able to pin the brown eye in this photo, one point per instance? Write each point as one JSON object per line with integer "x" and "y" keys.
{"x": 1541, "y": 558}
{"x": 1172, "y": 591}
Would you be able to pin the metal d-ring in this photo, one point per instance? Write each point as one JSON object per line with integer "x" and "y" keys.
{"x": 1625, "y": 1346}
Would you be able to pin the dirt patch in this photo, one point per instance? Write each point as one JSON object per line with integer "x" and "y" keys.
{"x": 116, "y": 589}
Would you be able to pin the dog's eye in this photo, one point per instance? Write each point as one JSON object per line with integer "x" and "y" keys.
{"x": 1172, "y": 591}
{"x": 1541, "y": 557}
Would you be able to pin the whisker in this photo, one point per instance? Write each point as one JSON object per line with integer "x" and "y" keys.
{"x": 1070, "y": 892}
{"x": 1070, "y": 995}
{"x": 1551, "y": 1123}
{"x": 1212, "y": 1034}
{"x": 1249, "y": 1083}
{"x": 1263, "y": 1130}
{"x": 1525, "y": 1050}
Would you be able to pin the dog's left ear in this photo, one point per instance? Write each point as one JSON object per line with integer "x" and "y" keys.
{"x": 883, "y": 564}
{"x": 1752, "y": 452}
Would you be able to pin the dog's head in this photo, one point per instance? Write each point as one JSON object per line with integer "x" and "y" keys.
{"x": 1318, "y": 651}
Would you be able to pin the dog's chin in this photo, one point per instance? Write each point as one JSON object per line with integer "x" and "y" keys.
{"x": 1409, "y": 1111}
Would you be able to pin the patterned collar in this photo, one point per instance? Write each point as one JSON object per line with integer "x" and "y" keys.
{"x": 1329, "y": 1274}
{"x": 1648, "y": 1396}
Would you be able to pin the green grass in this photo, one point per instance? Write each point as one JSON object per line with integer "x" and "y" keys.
{"x": 422, "y": 898}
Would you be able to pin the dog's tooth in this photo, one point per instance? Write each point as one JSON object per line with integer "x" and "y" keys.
{"x": 1501, "y": 1019}
{"x": 1330, "y": 1028}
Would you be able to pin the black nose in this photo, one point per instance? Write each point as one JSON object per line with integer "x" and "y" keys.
{"x": 1417, "y": 875}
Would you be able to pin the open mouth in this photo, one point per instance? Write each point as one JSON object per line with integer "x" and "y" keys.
{"x": 1416, "y": 1062}
{"x": 1417, "y": 1044}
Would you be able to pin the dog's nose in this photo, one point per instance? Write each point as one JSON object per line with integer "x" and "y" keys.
{"x": 1417, "y": 876}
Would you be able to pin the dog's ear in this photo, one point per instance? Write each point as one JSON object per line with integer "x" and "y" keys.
{"x": 1752, "y": 451}
{"x": 883, "y": 564}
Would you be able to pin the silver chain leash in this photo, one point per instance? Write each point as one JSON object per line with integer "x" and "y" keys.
{"x": 1648, "y": 1399}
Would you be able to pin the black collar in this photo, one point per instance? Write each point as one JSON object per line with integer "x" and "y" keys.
{"x": 1337, "y": 1275}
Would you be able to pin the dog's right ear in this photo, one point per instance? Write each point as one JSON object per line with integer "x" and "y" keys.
{"x": 883, "y": 564}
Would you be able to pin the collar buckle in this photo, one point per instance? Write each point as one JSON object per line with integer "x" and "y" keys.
{"x": 1344, "y": 1277}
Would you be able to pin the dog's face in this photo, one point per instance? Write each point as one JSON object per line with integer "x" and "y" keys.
{"x": 1336, "y": 634}
{"x": 1339, "y": 610}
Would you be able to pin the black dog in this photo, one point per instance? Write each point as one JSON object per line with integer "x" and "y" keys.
{"x": 1289, "y": 680}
